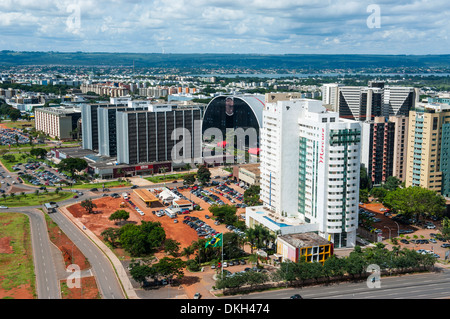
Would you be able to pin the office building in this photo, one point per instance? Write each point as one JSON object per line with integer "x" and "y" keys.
{"x": 62, "y": 122}
{"x": 428, "y": 147}
{"x": 147, "y": 136}
{"x": 89, "y": 116}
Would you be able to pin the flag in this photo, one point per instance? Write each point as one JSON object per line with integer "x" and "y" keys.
{"x": 215, "y": 241}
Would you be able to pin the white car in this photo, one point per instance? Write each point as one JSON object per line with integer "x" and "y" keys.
{"x": 4, "y": 207}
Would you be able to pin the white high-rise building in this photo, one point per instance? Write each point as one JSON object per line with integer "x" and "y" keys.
{"x": 330, "y": 95}
{"x": 310, "y": 168}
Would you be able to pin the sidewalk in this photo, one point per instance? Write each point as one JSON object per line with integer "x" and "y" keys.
{"x": 117, "y": 265}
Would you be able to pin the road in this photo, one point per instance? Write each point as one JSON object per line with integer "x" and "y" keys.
{"x": 46, "y": 275}
{"x": 45, "y": 270}
{"x": 103, "y": 271}
{"x": 416, "y": 286}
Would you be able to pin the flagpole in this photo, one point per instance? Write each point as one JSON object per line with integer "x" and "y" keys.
{"x": 222, "y": 254}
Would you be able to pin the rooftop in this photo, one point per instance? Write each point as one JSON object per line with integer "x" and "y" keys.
{"x": 304, "y": 240}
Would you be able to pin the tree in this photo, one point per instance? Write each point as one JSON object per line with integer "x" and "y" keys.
{"x": 251, "y": 195}
{"x": 111, "y": 235}
{"x": 188, "y": 251}
{"x": 140, "y": 272}
{"x": 224, "y": 213}
{"x": 170, "y": 267}
{"x": 415, "y": 202}
{"x": 203, "y": 174}
{"x": 88, "y": 205}
{"x": 120, "y": 215}
{"x": 379, "y": 193}
{"x": 364, "y": 180}
{"x": 446, "y": 228}
{"x": 392, "y": 183}
{"x": 189, "y": 179}
{"x": 72, "y": 164}
{"x": 171, "y": 246}
{"x": 9, "y": 158}
{"x": 141, "y": 240}
{"x": 38, "y": 152}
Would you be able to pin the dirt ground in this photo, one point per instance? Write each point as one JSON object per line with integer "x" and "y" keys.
{"x": 88, "y": 290}
{"x": 97, "y": 222}
{"x": 5, "y": 247}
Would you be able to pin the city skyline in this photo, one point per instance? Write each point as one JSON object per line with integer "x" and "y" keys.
{"x": 200, "y": 26}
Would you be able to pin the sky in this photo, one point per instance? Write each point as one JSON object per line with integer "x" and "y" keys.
{"x": 227, "y": 26}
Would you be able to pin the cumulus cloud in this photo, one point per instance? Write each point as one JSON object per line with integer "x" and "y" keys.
{"x": 228, "y": 26}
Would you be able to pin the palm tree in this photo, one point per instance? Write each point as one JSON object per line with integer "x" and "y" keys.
{"x": 187, "y": 251}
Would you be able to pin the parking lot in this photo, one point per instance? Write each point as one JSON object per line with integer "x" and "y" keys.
{"x": 422, "y": 238}
{"x": 39, "y": 173}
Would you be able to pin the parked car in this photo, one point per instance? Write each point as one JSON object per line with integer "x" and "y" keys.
{"x": 296, "y": 296}
{"x": 197, "y": 295}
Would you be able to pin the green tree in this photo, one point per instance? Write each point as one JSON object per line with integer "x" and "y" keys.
{"x": 189, "y": 179}
{"x": 170, "y": 267}
{"x": 415, "y": 202}
{"x": 72, "y": 164}
{"x": 224, "y": 213}
{"x": 38, "y": 152}
{"x": 171, "y": 246}
{"x": 392, "y": 183}
{"x": 203, "y": 174}
{"x": 111, "y": 235}
{"x": 364, "y": 181}
{"x": 88, "y": 205}
{"x": 140, "y": 272}
{"x": 379, "y": 193}
{"x": 120, "y": 215}
{"x": 251, "y": 195}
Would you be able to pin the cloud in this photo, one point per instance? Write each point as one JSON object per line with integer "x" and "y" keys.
{"x": 229, "y": 26}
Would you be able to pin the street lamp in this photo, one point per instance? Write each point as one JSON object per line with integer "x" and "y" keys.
{"x": 398, "y": 229}
{"x": 389, "y": 231}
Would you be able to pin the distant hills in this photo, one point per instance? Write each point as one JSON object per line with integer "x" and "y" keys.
{"x": 225, "y": 61}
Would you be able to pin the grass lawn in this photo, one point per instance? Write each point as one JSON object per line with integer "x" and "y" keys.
{"x": 100, "y": 185}
{"x": 33, "y": 199}
{"x": 162, "y": 178}
{"x": 18, "y": 159}
{"x": 17, "y": 268}
{"x": 18, "y": 124}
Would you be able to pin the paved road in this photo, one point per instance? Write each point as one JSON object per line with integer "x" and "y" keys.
{"x": 416, "y": 286}
{"x": 45, "y": 270}
{"x": 101, "y": 266}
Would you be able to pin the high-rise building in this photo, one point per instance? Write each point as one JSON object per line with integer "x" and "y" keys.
{"x": 429, "y": 147}
{"x": 360, "y": 103}
{"x": 383, "y": 148}
{"x": 89, "y": 126}
{"x": 157, "y": 136}
{"x": 330, "y": 95}
{"x": 363, "y": 103}
{"x": 310, "y": 168}
{"x": 400, "y": 145}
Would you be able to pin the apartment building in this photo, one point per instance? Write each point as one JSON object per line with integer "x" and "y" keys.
{"x": 363, "y": 103}
{"x": 428, "y": 147}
